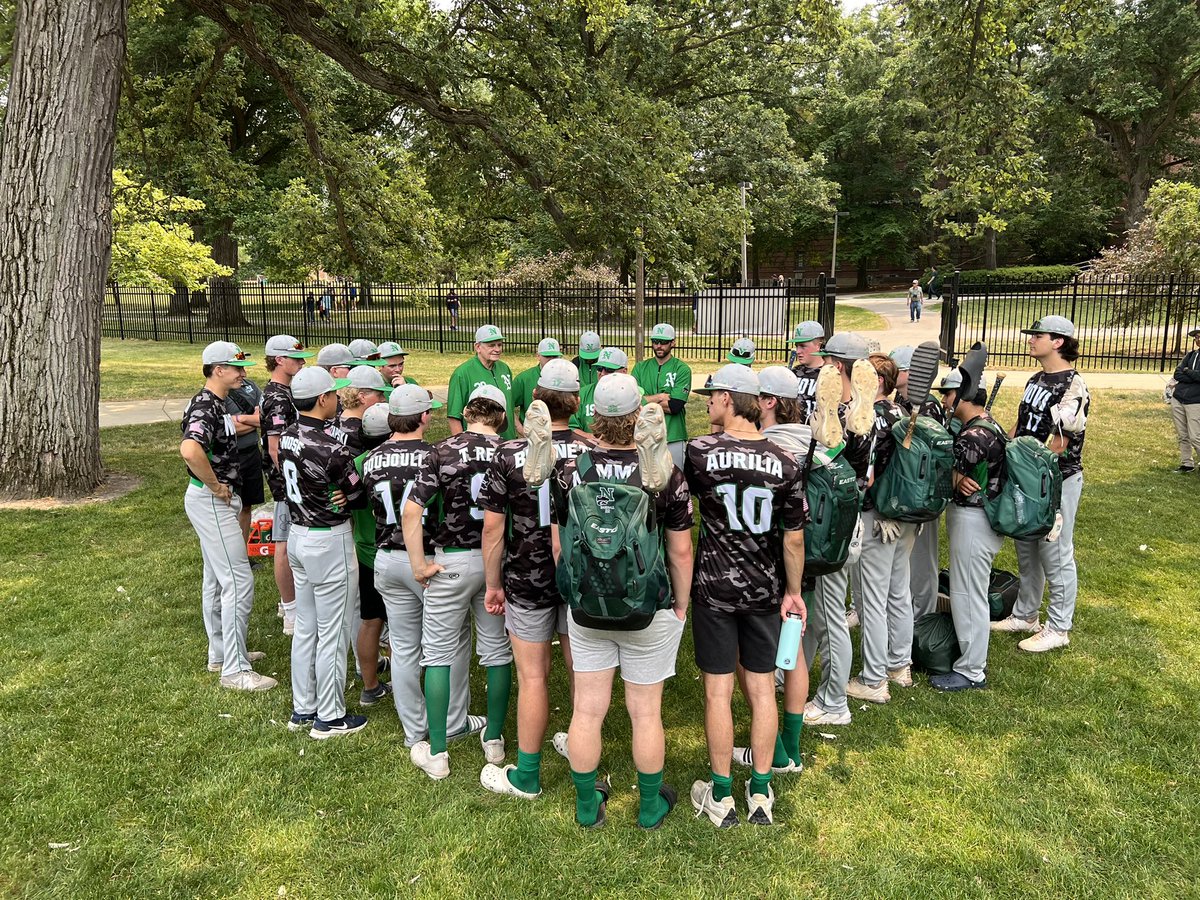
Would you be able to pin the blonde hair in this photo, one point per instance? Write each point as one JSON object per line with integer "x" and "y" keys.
{"x": 350, "y": 397}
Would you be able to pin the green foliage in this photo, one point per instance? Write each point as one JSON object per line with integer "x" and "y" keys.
{"x": 152, "y": 244}
{"x": 1166, "y": 242}
{"x": 1058, "y": 275}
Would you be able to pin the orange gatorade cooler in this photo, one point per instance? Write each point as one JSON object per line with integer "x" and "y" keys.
{"x": 260, "y": 543}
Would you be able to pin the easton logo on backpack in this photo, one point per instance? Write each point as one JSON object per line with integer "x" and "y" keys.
{"x": 611, "y": 569}
{"x": 833, "y": 504}
{"x": 916, "y": 485}
{"x": 1028, "y": 503}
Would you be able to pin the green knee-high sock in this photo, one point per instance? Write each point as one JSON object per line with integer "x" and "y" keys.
{"x": 653, "y": 807}
{"x": 499, "y": 686}
{"x": 760, "y": 784}
{"x": 793, "y": 724}
{"x": 437, "y": 705}
{"x": 527, "y": 776}
{"x": 587, "y": 800}
{"x": 722, "y": 786}
{"x": 781, "y": 755}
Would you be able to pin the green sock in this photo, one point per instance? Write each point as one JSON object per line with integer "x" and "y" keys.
{"x": 722, "y": 786}
{"x": 653, "y": 807}
{"x": 437, "y": 705}
{"x": 587, "y": 798}
{"x": 499, "y": 685}
{"x": 760, "y": 784}
{"x": 527, "y": 776}
{"x": 781, "y": 755}
{"x": 793, "y": 724}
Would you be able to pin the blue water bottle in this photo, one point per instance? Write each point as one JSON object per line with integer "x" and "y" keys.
{"x": 789, "y": 642}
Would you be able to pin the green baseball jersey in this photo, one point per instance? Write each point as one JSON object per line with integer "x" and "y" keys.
{"x": 582, "y": 420}
{"x": 673, "y": 378}
{"x": 587, "y": 370}
{"x": 363, "y": 525}
{"x": 522, "y": 389}
{"x": 470, "y": 375}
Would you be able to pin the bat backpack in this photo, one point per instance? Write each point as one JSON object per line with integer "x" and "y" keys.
{"x": 1031, "y": 495}
{"x": 916, "y": 485}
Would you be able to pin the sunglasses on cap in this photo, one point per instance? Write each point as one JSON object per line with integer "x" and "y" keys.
{"x": 371, "y": 356}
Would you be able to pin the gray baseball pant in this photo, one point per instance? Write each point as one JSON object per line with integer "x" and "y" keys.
{"x": 227, "y": 585}
{"x": 1054, "y": 561}
{"x": 885, "y": 616}
{"x": 973, "y": 546}
{"x": 678, "y": 450}
{"x": 827, "y": 633}
{"x": 923, "y": 570}
{"x": 452, "y": 596}
{"x": 325, "y": 567}
{"x": 402, "y": 597}
{"x": 1186, "y": 417}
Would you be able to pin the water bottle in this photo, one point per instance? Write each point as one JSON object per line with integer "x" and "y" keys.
{"x": 789, "y": 642}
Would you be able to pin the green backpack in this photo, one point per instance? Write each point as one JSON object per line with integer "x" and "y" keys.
{"x": 935, "y": 643}
{"x": 611, "y": 569}
{"x": 916, "y": 485}
{"x": 833, "y": 504}
{"x": 1028, "y": 502}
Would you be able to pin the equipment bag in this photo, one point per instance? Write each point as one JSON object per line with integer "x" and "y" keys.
{"x": 611, "y": 569}
{"x": 1028, "y": 502}
{"x": 833, "y": 504}
{"x": 935, "y": 643}
{"x": 916, "y": 485}
{"x": 1003, "y": 588}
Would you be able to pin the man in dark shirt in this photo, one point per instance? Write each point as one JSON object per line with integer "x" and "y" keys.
{"x": 806, "y": 364}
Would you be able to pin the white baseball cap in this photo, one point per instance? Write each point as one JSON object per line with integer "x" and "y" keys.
{"x": 364, "y": 378}
{"x": 612, "y": 358}
{"x": 779, "y": 381}
{"x": 335, "y": 355}
{"x": 951, "y": 381}
{"x": 846, "y": 345}
{"x": 388, "y": 349}
{"x": 742, "y": 352}
{"x": 286, "y": 345}
{"x": 617, "y": 395}
{"x": 311, "y": 381}
{"x": 410, "y": 399}
{"x": 807, "y": 331}
{"x": 589, "y": 345}
{"x": 735, "y": 378}
{"x": 224, "y": 353}
{"x": 1051, "y": 325}
{"x": 559, "y": 375}
{"x": 362, "y": 348}
{"x": 375, "y": 420}
{"x": 548, "y": 347}
{"x": 662, "y": 332}
{"x": 489, "y": 392}
{"x": 902, "y": 357}
{"x": 485, "y": 334}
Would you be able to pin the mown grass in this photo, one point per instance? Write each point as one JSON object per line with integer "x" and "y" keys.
{"x": 1072, "y": 776}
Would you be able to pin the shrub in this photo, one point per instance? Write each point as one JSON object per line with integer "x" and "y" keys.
{"x": 1024, "y": 275}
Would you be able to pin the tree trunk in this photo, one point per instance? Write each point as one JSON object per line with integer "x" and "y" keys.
{"x": 1137, "y": 188}
{"x": 989, "y": 249}
{"x": 861, "y": 283}
{"x": 224, "y": 294}
{"x": 180, "y": 300}
{"x": 56, "y": 156}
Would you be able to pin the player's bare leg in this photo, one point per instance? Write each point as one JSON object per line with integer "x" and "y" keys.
{"x": 369, "y": 633}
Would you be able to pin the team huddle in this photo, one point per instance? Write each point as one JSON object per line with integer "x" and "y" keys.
{"x": 561, "y": 508}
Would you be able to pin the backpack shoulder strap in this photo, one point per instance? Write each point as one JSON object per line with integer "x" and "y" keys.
{"x": 584, "y": 466}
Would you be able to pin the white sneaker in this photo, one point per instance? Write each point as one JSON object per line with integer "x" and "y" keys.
{"x": 901, "y": 677}
{"x": 252, "y": 656}
{"x": 650, "y": 438}
{"x": 864, "y": 385}
{"x": 248, "y": 681}
{"x": 435, "y": 765}
{"x": 860, "y": 690}
{"x": 475, "y": 724}
{"x": 852, "y": 619}
{"x": 560, "y": 744}
{"x": 761, "y": 808}
{"x": 827, "y": 427}
{"x": 1046, "y": 639}
{"x": 493, "y": 751}
{"x": 279, "y": 610}
{"x": 721, "y": 813}
{"x": 1023, "y": 626}
{"x": 744, "y": 756}
{"x": 289, "y": 624}
{"x": 495, "y": 779}
{"x": 539, "y": 461}
{"x": 815, "y": 714}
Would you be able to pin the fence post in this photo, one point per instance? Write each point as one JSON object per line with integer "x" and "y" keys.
{"x": 950, "y": 318}
{"x": 489, "y": 300}
{"x": 442, "y": 322}
{"x": 154, "y": 315}
{"x": 304, "y": 318}
{"x": 346, "y": 303}
{"x": 262, "y": 295}
{"x": 542, "y": 308}
{"x": 392, "y": 306}
{"x": 720, "y": 317}
{"x": 823, "y": 310}
{"x": 116, "y": 290}
{"x": 191, "y": 337}
{"x": 1162, "y": 365}
{"x": 1074, "y": 297}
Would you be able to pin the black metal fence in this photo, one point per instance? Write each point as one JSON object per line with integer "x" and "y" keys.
{"x": 419, "y": 316}
{"x": 1121, "y": 323}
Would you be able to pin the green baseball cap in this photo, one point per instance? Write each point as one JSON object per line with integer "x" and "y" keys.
{"x": 485, "y": 334}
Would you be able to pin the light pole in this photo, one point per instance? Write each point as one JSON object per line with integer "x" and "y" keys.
{"x": 745, "y": 186}
{"x": 833, "y": 265}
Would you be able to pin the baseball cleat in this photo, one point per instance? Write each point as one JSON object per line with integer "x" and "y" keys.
{"x": 860, "y": 690}
{"x": 650, "y": 438}
{"x": 864, "y": 385}
{"x": 1046, "y": 639}
{"x": 539, "y": 462}
{"x": 815, "y": 714}
{"x": 827, "y": 427}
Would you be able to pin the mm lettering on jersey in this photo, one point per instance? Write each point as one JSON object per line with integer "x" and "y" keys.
{"x": 401, "y": 458}
{"x": 609, "y": 471}
{"x": 291, "y": 443}
{"x": 721, "y": 460}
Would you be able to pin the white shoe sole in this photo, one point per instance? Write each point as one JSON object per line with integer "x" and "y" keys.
{"x": 495, "y": 779}
{"x": 827, "y": 427}
{"x": 1016, "y": 626}
{"x": 1040, "y": 648}
{"x": 815, "y": 716}
{"x": 340, "y": 732}
{"x": 650, "y": 438}
{"x": 760, "y": 812}
{"x": 721, "y": 817}
{"x": 539, "y": 462}
{"x": 864, "y": 384}
{"x": 430, "y": 769}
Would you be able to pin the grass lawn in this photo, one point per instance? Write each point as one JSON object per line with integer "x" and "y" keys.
{"x": 1072, "y": 776}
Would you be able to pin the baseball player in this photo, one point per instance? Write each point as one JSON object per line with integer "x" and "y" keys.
{"x": 523, "y": 384}
{"x": 394, "y": 357}
{"x": 589, "y": 350}
{"x": 742, "y": 352}
{"x": 361, "y": 389}
{"x": 321, "y": 483}
{"x": 209, "y": 448}
{"x": 285, "y": 358}
{"x": 609, "y": 360}
{"x": 806, "y": 362}
{"x": 485, "y": 367}
{"x": 748, "y": 489}
{"x": 336, "y": 359}
{"x": 243, "y": 403}
{"x": 667, "y": 381}
{"x": 1053, "y": 409}
{"x": 454, "y": 581}
{"x": 520, "y": 574}
{"x": 389, "y": 472}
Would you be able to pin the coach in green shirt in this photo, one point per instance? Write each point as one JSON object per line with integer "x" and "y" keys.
{"x": 585, "y": 362}
{"x": 524, "y": 383}
{"x": 667, "y": 381}
{"x": 484, "y": 367}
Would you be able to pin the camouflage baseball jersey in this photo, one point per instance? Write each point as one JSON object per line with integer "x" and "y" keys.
{"x": 887, "y": 414}
{"x": 528, "y": 560}
{"x": 748, "y": 490}
{"x": 1056, "y": 403}
{"x": 807, "y": 377}
{"x": 979, "y": 454}
{"x": 314, "y": 463}
{"x": 455, "y": 470}
{"x": 278, "y": 412}
{"x": 672, "y": 505}
{"x": 206, "y": 422}
{"x": 857, "y": 449}
{"x": 389, "y": 473}
{"x": 351, "y": 429}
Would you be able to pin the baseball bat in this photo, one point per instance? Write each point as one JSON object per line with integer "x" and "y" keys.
{"x": 995, "y": 391}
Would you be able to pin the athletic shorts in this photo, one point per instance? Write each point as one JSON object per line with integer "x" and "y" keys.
{"x": 537, "y": 626}
{"x": 251, "y": 471}
{"x": 370, "y": 600}
{"x": 281, "y": 523}
{"x": 644, "y": 657}
{"x": 723, "y": 639}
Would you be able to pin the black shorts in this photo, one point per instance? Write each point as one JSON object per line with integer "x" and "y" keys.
{"x": 723, "y": 639}
{"x": 251, "y": 470}
{"x": 370, "y": 601}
